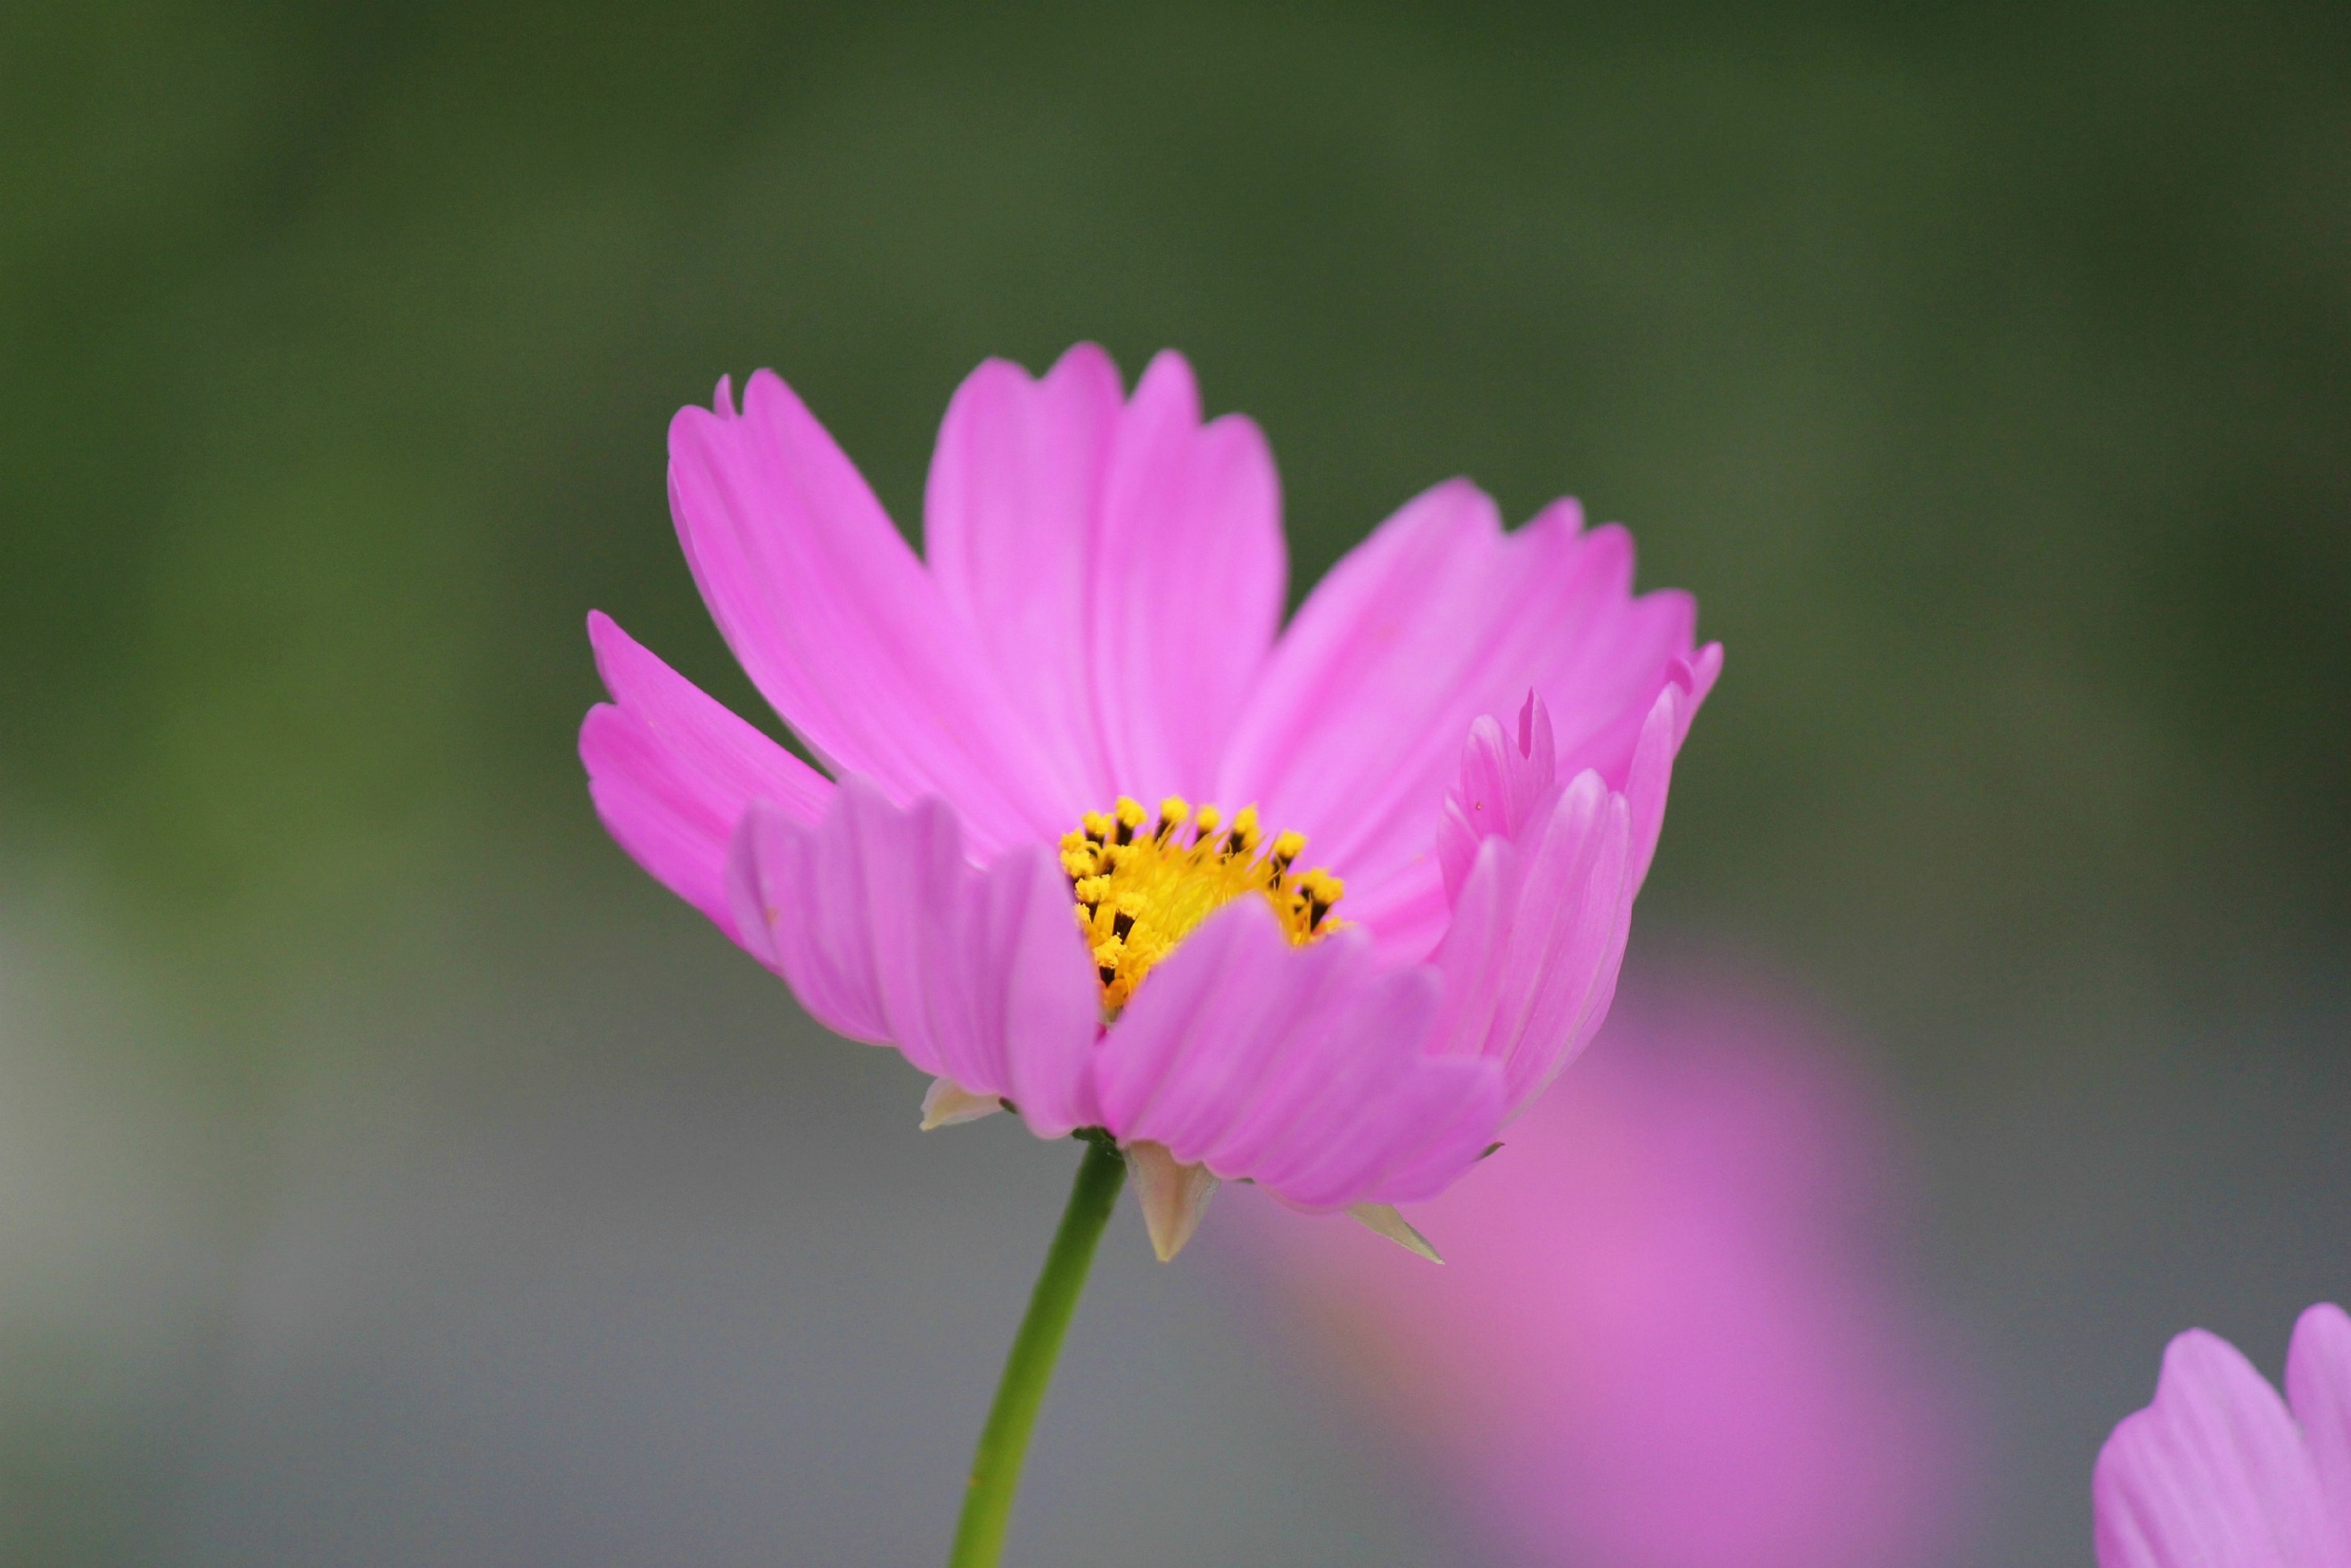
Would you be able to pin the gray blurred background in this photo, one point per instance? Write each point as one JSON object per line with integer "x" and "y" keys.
{"x": 390, "y": 1172}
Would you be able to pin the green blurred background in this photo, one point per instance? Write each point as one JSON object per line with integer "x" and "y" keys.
{"x": 1985, "y": 371}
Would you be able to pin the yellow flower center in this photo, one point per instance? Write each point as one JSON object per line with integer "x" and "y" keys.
{"x": 1140, "y": 893}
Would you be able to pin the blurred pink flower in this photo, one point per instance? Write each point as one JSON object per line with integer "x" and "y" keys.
{"x": 978, "y": 884}
{"x": 1668, "y": 1334}
{"x": 2219, "y": 1472}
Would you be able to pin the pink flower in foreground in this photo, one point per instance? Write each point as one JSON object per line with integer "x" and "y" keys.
{"x": 2219, "y": 1472}
{"x": 1095, "y": 625}
{"x": 1670, "y": 1335}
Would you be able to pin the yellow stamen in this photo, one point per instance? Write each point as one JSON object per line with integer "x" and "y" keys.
{"x": 1139, "y": 893}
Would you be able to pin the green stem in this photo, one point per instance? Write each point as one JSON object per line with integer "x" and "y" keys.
{"x": 1004, "y": 1442}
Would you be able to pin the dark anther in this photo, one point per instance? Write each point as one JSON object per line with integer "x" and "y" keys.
{"x": 1125, "y": 833}
{"x": 1120, "y": 924}
{"x": 1109, "y": 972}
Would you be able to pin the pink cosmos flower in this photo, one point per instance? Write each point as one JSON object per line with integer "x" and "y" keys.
{"x": 2219, "y": 1472}
{"x": 1096, "y": 623}
{"x": 1670, "y": 1335}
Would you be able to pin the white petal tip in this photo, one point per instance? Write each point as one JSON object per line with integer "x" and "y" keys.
{"x": 1383, "y": 1219}
{"x": 947, "y": 1103}
{"x": 1174, "y": 1196}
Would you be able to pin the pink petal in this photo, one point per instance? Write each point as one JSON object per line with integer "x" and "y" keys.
{"x": 2318, "y": 1386}
{"x": 1120, "y": 565}
{"x": 1301, "y": 1068}
{"x": 1504, "y": 781}
{"x": 887, "y": 935}
{"x": 1411, "y": 910}
{"x": 671, "y": 772}
{"x": 1437, "y": 618}
{"x": 1650, "y": 773}
{"x": 1188, "y": 577}
{"x": 1531, "y": 960}
{"x": 2212, "y": 1475}
{"x": 1009, "y": 524}
{"x": 837, "y": 623}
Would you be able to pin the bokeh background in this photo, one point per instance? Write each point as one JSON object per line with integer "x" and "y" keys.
{"x": 390, "y": 1172}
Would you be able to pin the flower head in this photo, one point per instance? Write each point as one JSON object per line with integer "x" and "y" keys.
{"x": 2219, "y": 1472}
{"x": 1672, "y": 1336}
{"x": 1095, "y": 623}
